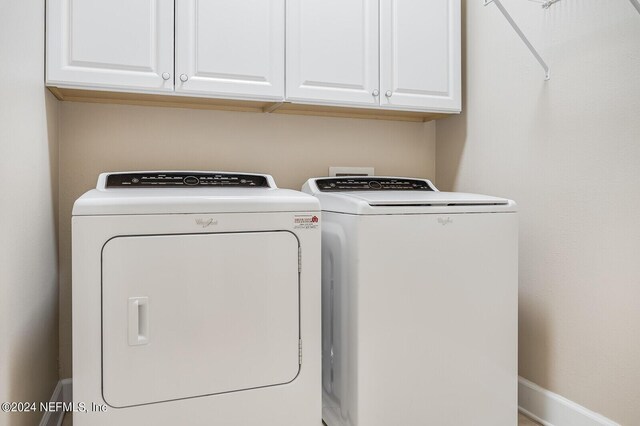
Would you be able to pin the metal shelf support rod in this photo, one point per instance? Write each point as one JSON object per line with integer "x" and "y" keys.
{"x": 523, "y": 37}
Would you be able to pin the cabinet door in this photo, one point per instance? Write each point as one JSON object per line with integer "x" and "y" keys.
{"x": 115, "y": 44}
{"x": 230, "y": 48}
{"x": 332, "y": 51}
{"x": 420, "y": 48}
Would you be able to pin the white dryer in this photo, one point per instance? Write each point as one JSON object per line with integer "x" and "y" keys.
{"x": 420, "y": 296}
{"x": 196, "y": 301}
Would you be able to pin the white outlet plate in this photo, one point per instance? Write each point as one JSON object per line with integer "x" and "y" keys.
{"x": 351, "y": 171}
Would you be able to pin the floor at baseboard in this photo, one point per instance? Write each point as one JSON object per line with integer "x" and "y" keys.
{"x": 67, "y": 420}
{"x": 523, "y": 421}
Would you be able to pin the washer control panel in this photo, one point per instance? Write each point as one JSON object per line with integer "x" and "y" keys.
{"x": 185, "y": 179}
{"x": 372, "y": 183}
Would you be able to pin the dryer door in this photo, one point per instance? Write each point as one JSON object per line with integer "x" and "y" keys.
{"x": 191, "y": 315}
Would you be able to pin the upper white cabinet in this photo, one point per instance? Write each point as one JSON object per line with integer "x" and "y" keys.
{"x": 332, "y": 51}
{"x": 384, "y": 57}
{"x": 333, "y": 45}
{"x": 230, "y": 48}
{"x": 117, "y": 44}
{"x": 420, "y": 54}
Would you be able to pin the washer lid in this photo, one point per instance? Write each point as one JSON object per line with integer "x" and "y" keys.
{"x": 382, "y": 195}
{"x": 127, "y": 193}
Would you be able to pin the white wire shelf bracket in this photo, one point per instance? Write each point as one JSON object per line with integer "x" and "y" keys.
{"x": 516, "y": 28}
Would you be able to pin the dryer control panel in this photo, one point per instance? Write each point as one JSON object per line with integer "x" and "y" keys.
{"x": 372, "y": 183}
{"x": 185, "y": 179}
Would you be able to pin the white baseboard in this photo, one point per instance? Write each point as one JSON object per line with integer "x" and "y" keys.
{"x": 550, "y": 409}
{"x": 62, "y": 393}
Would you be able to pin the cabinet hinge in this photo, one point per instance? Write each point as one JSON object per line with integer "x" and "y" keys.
{"x": 300, "y": 351}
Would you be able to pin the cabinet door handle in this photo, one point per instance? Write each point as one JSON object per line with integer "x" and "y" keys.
{"x": 388, "y": 93}
{"x": 166, "y": 76}
{"x": 375, "y": 92}
{"x": 183, "y": 77}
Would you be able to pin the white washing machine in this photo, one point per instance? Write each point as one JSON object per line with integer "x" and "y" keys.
{"x": 420, "y": 296}
{"x": 196, "y": 301}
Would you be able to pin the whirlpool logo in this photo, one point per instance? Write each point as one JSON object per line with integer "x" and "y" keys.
{"x": 444, "y": 221}
{"x": 206, "y": 222}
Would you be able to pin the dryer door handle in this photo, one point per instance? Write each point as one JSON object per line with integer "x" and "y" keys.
{"x": 138, "y": 321}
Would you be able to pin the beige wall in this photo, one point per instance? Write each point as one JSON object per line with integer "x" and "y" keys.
{"x": 568, "y": 151}
{"x": 28, "y": 206}
{"x": 96, "y": 138}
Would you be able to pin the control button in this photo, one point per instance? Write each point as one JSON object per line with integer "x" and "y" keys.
{"x": 135, "y": 180}
{"x": 191, "y": 180}
{"x": 375, "y": 185}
